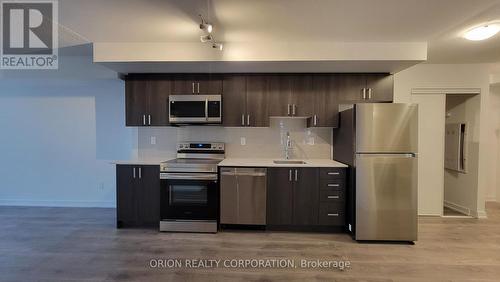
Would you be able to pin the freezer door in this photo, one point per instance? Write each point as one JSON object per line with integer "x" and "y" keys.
{"x": 386, "y": 128}
{"x": 386, "y": 197}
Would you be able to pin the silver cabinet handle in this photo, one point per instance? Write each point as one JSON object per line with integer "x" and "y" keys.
{"x": 243, "y": 120}
{"x": 248, "y": 120}
{"x": 143, "y": 119}
{"x": 333, "y": 185}
{"x": 133, "y": 169}
{"x": 333, "y": 197}
{"x": 290, "y": 175}
{"x": 288, "y": 109}
{"x": 296, "y": 176}
{"x": 294, "y": 108}
{"x": 369, "y": 93}
{"x": 140, "y": 173}
{"x": 315, "y": 120}
{"x": 192, "y": 85}
{"x": 149, "y": 119}
{"x": 333, "y": 173}
{"x": 333, "y": 214}
{"x": 364, "y": 93}
{"x": 198, "y": 85}
{"x": 206, "y": 109}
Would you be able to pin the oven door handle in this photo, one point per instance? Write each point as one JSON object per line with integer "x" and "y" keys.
{"x": 188, "y": 176}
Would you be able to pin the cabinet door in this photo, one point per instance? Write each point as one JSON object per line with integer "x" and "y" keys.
{"x": 148, "y": 195}
{"x": 126, "y": 210}
{"x": 302, "y": 97}
{"x": 325, "y": 101}
{"x": 351, "y": 87}
{"x": 136, "y": 102}
{"x": 208, "y": 84}
{"x": 234, "y": 100}
{"x": 305, "y": 196}
{"x": 279, "y": 92}
{"x": 159, "y": 90}
{"x": 257, "y": 102}
{"x": 279, "y": 196}
{"x": 381, "y": 87}
{"x": 182, "y": 85}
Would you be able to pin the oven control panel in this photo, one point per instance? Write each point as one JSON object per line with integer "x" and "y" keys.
{"x": 196, "y": 146}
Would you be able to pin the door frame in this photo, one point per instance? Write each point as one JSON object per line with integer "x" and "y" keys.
{"x": 451, "y": 91}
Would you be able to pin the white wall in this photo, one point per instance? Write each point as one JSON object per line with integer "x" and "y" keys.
{"x": 460, "y": 189}
{"x": 452, "y": 76}
{"x": 430, "y": 165}
{"x": 493, "y": 192}
{"x": 59, "y": 129}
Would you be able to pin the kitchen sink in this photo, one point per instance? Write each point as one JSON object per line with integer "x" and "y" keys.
{"x": 288, "y": 162}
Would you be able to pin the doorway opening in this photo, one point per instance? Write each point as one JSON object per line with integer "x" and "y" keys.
{"x": 461, "y": 155}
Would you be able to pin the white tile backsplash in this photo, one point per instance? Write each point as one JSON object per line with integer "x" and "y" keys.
{"x": 308, "y": 143}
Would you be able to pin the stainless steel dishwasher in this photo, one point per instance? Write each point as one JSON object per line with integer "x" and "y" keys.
{"x": 243, "y": 196}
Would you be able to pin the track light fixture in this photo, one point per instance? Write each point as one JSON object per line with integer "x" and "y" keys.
{"x": 208, "y": 37}
{"x": 217, "y": 45}
{"x": 205, "y": 26}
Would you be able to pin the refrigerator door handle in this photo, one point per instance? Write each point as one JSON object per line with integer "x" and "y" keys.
{"x": 393, "y": 155}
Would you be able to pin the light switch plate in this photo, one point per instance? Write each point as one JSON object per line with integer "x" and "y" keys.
{"x": 243, "y": 141}
{"x": 153, "y": 140}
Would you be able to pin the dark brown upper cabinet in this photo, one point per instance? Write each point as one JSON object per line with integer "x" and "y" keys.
{"x": 302, "y": 96}
{"x": 278, "y": 90}
{"x": 257, "y": 105}
{"x": 324, "y": 98}
{"x": 146, "y": 101}
{"x": 205, "y": 84}
{"x": 365, "y": 88}
{"x": 234, "y": 100}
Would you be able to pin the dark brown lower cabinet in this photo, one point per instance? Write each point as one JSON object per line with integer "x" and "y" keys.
{"x": 305, "y": 198}
{"x": 137, "y": 195}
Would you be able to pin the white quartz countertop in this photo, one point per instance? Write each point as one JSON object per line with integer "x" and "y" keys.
{"x": 250, "y": 162}
{"x": 138, "y": 162}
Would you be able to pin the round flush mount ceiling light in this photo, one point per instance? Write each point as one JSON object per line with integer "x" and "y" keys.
{"x": 482, "y": 32}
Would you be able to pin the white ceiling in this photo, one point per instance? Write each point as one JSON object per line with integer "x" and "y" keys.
{"x": 439, "y": 22}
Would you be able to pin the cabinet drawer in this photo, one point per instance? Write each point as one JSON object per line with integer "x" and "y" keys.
{"x": 332, "y": 214}
{"x": 332, "y": 173}
{"x": 334, "y": 196}
{"x": 332, "y": 184}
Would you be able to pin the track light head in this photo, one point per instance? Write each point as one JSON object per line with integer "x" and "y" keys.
{"x": 205, "y": 26}
{"x": 218, "y": 46}
{"x": 206, "y": 38}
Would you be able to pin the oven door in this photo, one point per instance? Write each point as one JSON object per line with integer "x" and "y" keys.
{"x": 188, "y": 196}
{"x": 195, "y": 109}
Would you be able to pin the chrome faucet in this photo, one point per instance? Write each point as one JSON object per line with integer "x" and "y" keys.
{"x": 288, "y": 145}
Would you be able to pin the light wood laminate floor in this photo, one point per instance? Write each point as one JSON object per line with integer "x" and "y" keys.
{"x": 73, "y": 244}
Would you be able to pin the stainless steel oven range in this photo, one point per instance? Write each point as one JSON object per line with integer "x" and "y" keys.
{"x": 189, "y": 188}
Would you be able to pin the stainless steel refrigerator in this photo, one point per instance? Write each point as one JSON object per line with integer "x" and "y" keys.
{"x": 380, "y": 143}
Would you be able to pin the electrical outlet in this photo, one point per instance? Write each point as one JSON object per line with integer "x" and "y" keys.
{"x": 243, "y": 141}
{"x": 101, "y": 186}
{"x": 153, "y": 140}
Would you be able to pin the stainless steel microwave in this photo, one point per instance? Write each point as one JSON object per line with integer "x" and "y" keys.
{"x": 195, "y": 109}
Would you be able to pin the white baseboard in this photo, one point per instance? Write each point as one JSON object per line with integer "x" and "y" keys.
{"x": 60, "y": 203}
{"x": 459, "y": 208}
{"x": 480, "y": 214}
